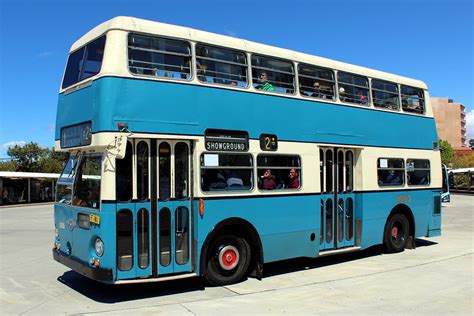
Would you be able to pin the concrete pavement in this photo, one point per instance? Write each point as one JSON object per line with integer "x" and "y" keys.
{"x": 436, "y": 278}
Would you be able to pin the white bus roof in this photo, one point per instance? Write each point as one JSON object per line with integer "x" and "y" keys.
{"x": 156, "y": 28}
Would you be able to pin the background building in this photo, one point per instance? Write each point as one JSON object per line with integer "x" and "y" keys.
{"x": 450, "y": 120}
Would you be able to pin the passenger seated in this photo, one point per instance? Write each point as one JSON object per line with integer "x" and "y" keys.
{"x": 293, "y": 181}
{"x": 219, "y": 182}
{"x": 268, "y": 180}
{"x": 234, "y": 180}
{"x": 263, "y": 83}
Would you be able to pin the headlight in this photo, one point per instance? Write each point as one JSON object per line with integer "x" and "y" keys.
{"x": 99, "y": 247}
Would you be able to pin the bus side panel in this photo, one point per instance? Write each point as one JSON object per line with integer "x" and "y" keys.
{"x": 284, "y": 224}
{"x": 161, "y": 107}
{"x": 376, "y": 207}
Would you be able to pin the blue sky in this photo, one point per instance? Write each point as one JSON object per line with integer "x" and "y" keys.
{"x": 430, "y": 40}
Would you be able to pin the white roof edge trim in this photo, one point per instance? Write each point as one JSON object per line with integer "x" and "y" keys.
{"x": 127, "y": 23}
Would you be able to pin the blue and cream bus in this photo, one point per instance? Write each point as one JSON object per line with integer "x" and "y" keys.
{"x": 197, "y": 154}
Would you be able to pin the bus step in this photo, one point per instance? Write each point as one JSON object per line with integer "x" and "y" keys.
{"x": 338, "y": 251}
{"x": 162, "y": 279}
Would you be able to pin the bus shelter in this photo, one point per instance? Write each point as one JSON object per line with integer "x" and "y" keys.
{"x": 27, "y": 187}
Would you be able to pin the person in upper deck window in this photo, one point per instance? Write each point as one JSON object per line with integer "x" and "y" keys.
{"x": 361, "y": 97}
{"x": 263, "y": 82}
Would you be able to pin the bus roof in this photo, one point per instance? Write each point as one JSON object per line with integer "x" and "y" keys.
{"x": 157, "y": 28}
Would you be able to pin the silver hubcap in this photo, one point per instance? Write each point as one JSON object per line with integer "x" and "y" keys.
{"x": 228, "y": 257}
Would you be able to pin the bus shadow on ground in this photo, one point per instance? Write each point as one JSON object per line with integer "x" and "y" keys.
{"x": 299, "y": 264}
{"x": 110, "y": 294}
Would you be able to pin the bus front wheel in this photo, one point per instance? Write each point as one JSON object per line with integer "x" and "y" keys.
{"x": 228, "y": 260}
{"x": 396, "y": 233}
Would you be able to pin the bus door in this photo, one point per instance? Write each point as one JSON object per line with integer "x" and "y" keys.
{"x": 337, "y": 198}
{"x": 173, "y": 171}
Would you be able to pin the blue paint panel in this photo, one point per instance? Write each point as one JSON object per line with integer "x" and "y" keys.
{"x": 160, "y": 107}
{"x": 83, "y": 240}
{"x": 285, "y": 224}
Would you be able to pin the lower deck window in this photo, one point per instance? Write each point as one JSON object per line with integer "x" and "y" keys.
{"x": 390, "y": 172}
{"x": 278, "y": 172}
{"x": 226, "y": 172}
{"x": 418, "y": 171}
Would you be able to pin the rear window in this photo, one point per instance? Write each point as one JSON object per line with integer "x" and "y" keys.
{"x": 84, "y": 62}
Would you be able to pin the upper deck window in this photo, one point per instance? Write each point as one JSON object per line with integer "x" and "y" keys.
{"x": 158, "y": 56}
{"x": 270, "y": 74}
{"x": 220, "y": 65}
{"x": 385, "y": 94}
{"x": 412, "y": 100}
{"x": 84, "y": 63}
{"x": 353, "y": 88}
{"x": 316, "y": 82}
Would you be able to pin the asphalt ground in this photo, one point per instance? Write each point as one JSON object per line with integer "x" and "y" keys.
{"x": 436, "y": 278}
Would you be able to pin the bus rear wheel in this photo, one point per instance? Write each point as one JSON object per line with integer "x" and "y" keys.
{"x": 396, "y": 233}
{"x": 228, "y": 260}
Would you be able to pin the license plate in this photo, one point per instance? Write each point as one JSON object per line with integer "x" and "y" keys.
{"x": 94, "y": 219}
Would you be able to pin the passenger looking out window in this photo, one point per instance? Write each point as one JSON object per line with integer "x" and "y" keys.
{"x": 263, "y": 83}
{"x": 294, "y": 182}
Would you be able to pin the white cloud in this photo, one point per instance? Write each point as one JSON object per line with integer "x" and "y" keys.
{"x": 470, "y": 125}
{"x": 12, "y": 143}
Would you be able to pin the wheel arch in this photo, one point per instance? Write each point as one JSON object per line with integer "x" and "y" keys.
{"x": 405, "y": 210}
{"x": 244, "y": 229}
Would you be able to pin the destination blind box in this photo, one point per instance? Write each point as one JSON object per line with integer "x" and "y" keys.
{"x": 226, "y": 140}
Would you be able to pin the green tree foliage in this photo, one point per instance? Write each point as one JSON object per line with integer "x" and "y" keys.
{"x": 447, "y": 152}
{"x": 464, "y": 161}
{"x": 8, "y": 166}
{"x": 33, "y": 158}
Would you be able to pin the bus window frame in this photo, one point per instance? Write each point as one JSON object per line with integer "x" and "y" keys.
{"x": 334, "y": 85}
{"x": 78, "y": 172}
{"x": 247, "y": 64}
{"x": 299, "y": 169}
{"x": 415, "y": 169}
{"x": 225, "y": 192}
{"x": 398, "y": 109}
{"x": 385, "y": 185}
{"x": 81, "y": 72}
{"x": 368, "y": 88}
{"x": 423, "y": 99}
{"x": 295, "y": 74}
{"x": 192, "y": 56}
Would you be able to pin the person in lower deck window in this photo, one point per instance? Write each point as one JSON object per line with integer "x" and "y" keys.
{"x": 294, "y": 182}
{"x": 263, "y": 83}
{"x": 234, "y": 179}
{"x": 268, "y": 180}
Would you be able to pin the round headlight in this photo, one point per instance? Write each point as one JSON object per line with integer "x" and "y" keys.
{"x": 99, "y": 247}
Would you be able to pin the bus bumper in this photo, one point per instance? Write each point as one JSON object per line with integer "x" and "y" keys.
{"x": 98, "y": 274}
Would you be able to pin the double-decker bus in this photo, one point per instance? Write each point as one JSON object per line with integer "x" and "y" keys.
{"x": 197, "y": 154}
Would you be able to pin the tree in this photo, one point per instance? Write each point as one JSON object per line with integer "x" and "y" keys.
{"x": 447, "y": 152}
{"x": 33, "y": 158}
{"x": 464, "y": 161}
{"x": 8, "y": 166}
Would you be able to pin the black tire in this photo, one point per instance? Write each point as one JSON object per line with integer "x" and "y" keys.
{"x": 227, "y": 271}
{"x": 396, "y": 233}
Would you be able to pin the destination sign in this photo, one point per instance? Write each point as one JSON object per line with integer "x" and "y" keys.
{"x": 225, "y": 140}
{"x": 76, "y": 135}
